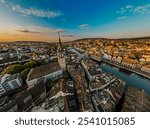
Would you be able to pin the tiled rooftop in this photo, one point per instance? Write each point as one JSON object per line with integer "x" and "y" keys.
{"x": 43, "y": 70}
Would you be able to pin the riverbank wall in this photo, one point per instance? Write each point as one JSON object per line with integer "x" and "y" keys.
{"x": 131, "y": 70}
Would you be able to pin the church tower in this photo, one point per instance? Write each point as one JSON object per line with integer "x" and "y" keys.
{"x": 61, "y": 55}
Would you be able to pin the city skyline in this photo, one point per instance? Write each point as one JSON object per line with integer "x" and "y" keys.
{"x": 41, "y": 20}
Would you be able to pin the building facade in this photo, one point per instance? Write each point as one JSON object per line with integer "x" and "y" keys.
{"x": 2, "y": 90}
{"x": 146, "y": 68}
{"x": 48, "y": 72}
{"x": 11, "y": 82}
{"x": 130, "y": 63}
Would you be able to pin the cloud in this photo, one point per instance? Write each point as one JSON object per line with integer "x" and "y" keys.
{"x": 129, "y": 7}
{"x": 37, "y": 30}
{"x": 121, "y": 11}
{"x": 27, "y": 31}
{"x": 122, "y": 17}
{"x": 32, "y": 11}
{"x": 144, "y": 9}
{"x": 2, "y": 1}
{"x": 60, "y": 30}
{"x": 133, "y": 10}
{"x": 83, "y": 26}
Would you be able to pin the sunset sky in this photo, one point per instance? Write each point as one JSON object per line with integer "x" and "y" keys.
{"x": 40, "y": 20}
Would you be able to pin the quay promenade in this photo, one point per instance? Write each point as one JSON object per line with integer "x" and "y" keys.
{"x": 137, "y": 71}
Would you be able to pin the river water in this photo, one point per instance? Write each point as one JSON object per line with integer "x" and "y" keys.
{"x": 131, "y": 79}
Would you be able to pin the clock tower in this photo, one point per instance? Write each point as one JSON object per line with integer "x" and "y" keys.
{"x": 61, "y": 55}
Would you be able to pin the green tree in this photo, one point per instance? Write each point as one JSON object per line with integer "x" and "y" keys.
{"x": 137, "y": 55}
{"x": 12, "y": 69}
{"x": 24, "y": 73}
{"x": 30, "y": 64}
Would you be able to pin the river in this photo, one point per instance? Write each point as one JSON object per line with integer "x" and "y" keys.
{"x": 131, "y": 79}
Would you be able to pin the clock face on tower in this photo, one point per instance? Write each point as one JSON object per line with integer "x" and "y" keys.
{"x": 61, "y": 55}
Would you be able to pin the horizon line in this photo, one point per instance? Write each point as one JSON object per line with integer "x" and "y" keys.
{"x": 145, "y": 37}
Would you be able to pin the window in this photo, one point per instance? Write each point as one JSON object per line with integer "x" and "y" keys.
{"x": 72, "y": 103}
{"x": 6, "y": 86}
{"x": 2, "y": 91}
{"x": 27, "y": 98}
{"x": 15, "y": 84}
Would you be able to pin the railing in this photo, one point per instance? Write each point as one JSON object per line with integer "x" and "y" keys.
{"x": 134, "y": 70}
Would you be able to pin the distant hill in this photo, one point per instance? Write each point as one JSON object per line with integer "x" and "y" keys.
{"x": 138, "y": 38}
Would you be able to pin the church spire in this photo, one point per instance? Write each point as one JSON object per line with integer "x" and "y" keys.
{"x": 61, "y": 55}
{"x": 60, "y": 44}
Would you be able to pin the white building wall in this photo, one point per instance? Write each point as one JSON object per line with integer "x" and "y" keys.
{"x": 11, "y": 86}
{"x": 54, "y": 75}
{"x": 62, "y": 62}
{"x": 2, "y": 90}
{"x": 145, "y": 69}
{"x": 31, "y": 82}
{"x": 106, "y": 56}
{"x": 128, "y": 65}
{"x": 119, "y": 59}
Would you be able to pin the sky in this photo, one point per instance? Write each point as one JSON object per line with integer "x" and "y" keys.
{"x": 40, "y": 20}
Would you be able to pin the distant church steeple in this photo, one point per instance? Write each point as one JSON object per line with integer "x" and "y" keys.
{"x": 60, "y": 47}
{"x": 61, "y": 54}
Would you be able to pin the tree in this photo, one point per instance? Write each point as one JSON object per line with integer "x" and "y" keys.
{"x": 137, "y": 55}
{"x": 24, "y": 73}
{"x": 12, "y": 69}
{"x": 19, "y": 68}
{"x": 30, "y": 64}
